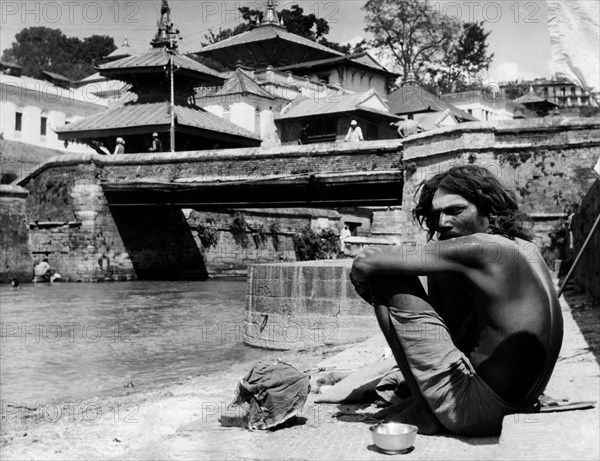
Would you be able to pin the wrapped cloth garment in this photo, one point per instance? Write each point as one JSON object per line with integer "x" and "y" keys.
{"x": 273, "y": 392}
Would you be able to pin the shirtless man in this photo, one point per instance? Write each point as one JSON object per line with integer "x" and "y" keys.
{"x": 484, "y": 341}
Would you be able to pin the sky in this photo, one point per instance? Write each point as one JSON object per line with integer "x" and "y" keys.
{"x": 519, "y": 35}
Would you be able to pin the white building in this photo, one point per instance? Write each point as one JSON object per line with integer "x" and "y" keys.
{"x": 31, "y": 109}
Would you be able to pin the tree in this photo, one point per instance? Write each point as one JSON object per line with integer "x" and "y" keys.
{"x": 423, "y": 41}
{"x": 463, "y": 61}
{"x": 515, "y": 89}
{"x": 41, "y": 48}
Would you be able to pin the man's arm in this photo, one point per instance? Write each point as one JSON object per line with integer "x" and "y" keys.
{"x": 463, "y": 255}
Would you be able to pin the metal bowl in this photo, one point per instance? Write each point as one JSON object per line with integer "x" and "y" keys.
{"x": 394, "y": 437}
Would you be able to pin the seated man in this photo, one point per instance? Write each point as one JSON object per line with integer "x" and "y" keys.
{"x": 484, "y": 341}
{"x": 43, "y": 271}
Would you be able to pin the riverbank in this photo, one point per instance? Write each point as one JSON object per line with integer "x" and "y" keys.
{"x": 180, "y": 421}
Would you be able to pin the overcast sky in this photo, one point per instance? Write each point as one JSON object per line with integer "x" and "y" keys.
{"x": 519, "y": 39}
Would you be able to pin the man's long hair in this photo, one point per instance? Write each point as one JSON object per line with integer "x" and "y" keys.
{"x": 480, "y": 187}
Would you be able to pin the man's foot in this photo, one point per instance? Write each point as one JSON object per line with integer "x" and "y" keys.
{"x": 417, "y": 414}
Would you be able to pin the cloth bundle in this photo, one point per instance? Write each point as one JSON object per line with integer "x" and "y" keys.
{"x": 273, "y": 393}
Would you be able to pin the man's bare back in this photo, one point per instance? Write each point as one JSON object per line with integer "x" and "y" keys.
{"x": 515, "y": 333}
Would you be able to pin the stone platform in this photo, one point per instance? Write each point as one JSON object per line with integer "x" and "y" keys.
{"x": 292, "y": 306}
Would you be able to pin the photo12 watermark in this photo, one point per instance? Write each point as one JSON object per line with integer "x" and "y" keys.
{"x": 68, "y": 332}
{"x": 70, "y": 12}
{"x": 69, "y": 412}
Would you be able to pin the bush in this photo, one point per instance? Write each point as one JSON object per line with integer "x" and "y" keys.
{"x": 309, "y": 246}
{"x": 208, "y": 236}
{"x": 238, "y": 226}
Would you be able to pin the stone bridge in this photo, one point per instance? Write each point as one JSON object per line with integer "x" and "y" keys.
{"x": 121, "y": 217}
{"x": 344, "y": 174}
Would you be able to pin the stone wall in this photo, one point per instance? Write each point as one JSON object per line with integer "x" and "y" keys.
{"x": 302, "y": 305}
{"x": 268, "y": 236}
{"x": 548, "y": 162}
{"x": 587, "y": 272}
{"x": 15, "y": 256}
{"x": 73, "y": 226}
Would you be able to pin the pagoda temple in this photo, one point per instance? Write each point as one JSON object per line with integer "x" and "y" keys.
{"x": 268, "y": 44}
{"x": 161, "y": 99}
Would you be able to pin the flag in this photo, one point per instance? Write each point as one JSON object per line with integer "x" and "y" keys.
{"x": 574, "y": 27}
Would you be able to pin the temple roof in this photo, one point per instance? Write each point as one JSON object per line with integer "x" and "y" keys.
{"x": 362, "y": 60}
{"x": 135, "y": 118}
{"x": 329, "y": 104}
{"x": 156, "y": 60}
{"x": 532, "y": 98}
{"x": 411, "y": 99}
{"x": 238, "y": 82}
{"x": 267, "y": 44}
{"x": 123, "y": 51}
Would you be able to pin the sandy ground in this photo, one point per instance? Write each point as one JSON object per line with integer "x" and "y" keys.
{"x": 110, "y": 427}
{"x": 120, "y": 427}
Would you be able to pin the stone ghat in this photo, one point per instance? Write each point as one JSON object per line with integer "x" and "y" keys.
{"x": 292, "y": 306}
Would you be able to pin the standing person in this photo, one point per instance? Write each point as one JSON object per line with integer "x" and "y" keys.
{"x": 120, "y": 147}
{"x": 354, "y": 133}
{"x": 483, "y": 342}
{"x": 156, "y": 144}
{"x": 344, "y": 234}
{"x": 303, "y": 134}
{"x": 409, "y": 126}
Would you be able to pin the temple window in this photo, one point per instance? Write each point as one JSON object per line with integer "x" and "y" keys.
{"x": 18, "y": 121}
{"x": 257, "y": 120}
{"x": 43, "y": 125}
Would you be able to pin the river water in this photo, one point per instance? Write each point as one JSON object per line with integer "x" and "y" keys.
{"x": 69, "y": 341}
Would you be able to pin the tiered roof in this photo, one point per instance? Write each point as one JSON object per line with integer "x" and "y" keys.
{"x": 155, "y": 61}
{"x": 148, "y": 108}
{"x": 269, "y": 43}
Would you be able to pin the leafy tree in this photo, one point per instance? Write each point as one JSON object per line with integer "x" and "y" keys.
{"x": 515, "y": 89}
{"x": 435, "y": 47}
{"x": 464, "y": 60}
{"x": 41, "y": 48}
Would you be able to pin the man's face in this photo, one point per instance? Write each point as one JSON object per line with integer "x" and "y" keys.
{"x": 455, "y": 216}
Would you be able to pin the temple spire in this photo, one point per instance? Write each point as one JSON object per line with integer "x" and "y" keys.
{"x": 164, "y": 35}
{"x": 270, "y": 17}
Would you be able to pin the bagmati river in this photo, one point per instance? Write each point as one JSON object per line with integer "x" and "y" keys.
{"x": 69, "y": 341}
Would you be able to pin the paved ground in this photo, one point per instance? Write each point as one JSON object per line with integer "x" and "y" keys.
{"x": 180, "y": 421}
{"x": 341, "y": 432}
